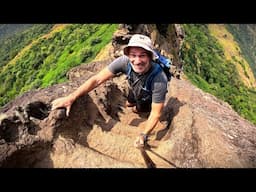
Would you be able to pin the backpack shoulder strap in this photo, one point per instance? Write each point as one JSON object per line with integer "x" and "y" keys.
{"x": 157, "y": 68}
{"x": 128, "y": 71}
{"x": 147, "y": 85}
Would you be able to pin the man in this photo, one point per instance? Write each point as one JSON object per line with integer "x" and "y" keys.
{"x": 138, "y": 57}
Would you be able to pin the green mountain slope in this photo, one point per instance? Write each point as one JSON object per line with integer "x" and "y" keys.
{"x": 7, "y": 30}
{"x": 245, "y": 35}
{"x": 45, "y": 59}
{"x": 208, "y": 67}
{"x": 17, "y": 38}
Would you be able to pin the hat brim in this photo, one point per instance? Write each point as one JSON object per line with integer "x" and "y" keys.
{"x": 126, "y": 49}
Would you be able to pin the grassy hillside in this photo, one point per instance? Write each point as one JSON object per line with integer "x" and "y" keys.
{"x": 7, "y": 30}
{"x": 232, "y": 53}
{"x": 245, "y": 35}
{"x": 18, "y": 38}
{"x": 46, "y": 59}
{"x": 207, "y": 66}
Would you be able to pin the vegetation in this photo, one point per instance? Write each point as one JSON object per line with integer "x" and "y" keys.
{"x": 207, "y": 67}
{"x": 47, "y": 59}
{"x": 40, "y": 55}
{"x": 245, "y": 35}
{"x": 7, "y": 30}
{"x": 17, "y": 38}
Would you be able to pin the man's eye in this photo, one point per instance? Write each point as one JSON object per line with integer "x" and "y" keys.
{"x": 140, "y": 56}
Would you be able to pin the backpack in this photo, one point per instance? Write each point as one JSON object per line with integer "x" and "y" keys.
{"x": 163, "y": 64}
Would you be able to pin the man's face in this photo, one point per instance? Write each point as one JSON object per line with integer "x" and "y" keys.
{"x": 139, "y": 59}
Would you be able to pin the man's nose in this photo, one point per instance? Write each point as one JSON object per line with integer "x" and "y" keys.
{"x": 136, "y": 60}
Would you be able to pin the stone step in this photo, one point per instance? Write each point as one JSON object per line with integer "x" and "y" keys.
{"x": 67, "y": 154}
{"x": 120, "y": 147}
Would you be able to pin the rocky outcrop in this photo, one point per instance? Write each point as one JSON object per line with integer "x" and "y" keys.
{"x": 196, "y": 130}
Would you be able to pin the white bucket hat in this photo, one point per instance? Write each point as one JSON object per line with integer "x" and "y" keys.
{"x": 142, "y": 41}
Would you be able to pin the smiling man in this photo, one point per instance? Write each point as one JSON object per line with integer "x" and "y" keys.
{"x": 137, "y": 63}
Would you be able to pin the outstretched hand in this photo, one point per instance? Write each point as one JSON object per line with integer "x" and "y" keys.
{"x": 62, "y": 102}
{"x": 140, "y": 141}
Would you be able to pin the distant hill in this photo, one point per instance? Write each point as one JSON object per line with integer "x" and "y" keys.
{"x": 245, "y": 35}
{"x": 213, "y": 62}
{"x": 7, "y": 30}
{"x": 42, "y": 55}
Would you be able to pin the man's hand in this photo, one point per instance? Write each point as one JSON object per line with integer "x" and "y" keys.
{"x": 62, "y": 102}
{"x": 141, "y": 140}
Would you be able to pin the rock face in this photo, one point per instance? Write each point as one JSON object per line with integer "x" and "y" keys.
{"x": 196, "y": 130}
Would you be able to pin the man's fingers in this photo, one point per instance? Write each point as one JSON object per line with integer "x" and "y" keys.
{"x": 67, "y": 111}
{"x": 139, "y": 142}
{"x": 54, "y": 105}
{"x": 57, "y": 104}
{"x": 61, "y": 103}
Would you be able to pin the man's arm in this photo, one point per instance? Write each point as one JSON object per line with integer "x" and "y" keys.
{"x": 85, "y": 88}
{"x": 153, "y": 119}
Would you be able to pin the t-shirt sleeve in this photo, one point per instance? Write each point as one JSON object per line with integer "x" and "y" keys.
{"x": 159, "y": 88}
{"x": 119, "y": 65}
